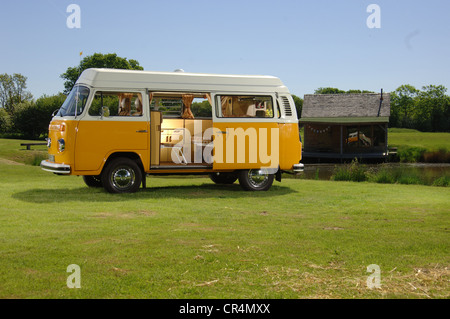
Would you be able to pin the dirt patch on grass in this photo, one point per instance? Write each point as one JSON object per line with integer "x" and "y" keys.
{"x": 333, "y": 228}
{"x": 125, "y": 215}
{"x": 425, "y": 282}
{"x": 119, "y": 272}
{"x": 337, "y": 281}
{"x": 207, "y": 283}
{"x": 9, "y": 162}
{"x": 196, "y": 226}
{"x": 30, "y": 271}
{"x": 210, "y": 249}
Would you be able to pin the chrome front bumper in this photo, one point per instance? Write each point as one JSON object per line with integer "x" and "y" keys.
{"x": 55, "y": 167}
{"x": 298, "y": 168}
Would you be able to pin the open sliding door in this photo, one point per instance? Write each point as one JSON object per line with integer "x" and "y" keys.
{"x": 155, "y": 137}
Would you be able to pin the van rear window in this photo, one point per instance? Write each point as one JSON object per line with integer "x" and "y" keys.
{"x": 247, "y": 106}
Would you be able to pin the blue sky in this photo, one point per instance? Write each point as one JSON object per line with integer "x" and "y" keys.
{"x": 308, "y": 44}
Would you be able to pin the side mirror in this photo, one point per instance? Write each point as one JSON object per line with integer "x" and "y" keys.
{"x": 54, "y": 112}
{"x": 104, "y": 111}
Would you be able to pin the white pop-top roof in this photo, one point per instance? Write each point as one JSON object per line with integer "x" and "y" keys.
{"x": 179, "y": 81}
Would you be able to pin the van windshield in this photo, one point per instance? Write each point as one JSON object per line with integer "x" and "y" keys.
{"x": 74, "y": 102}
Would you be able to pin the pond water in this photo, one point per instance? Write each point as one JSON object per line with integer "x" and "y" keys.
{"x": 426, "y": 171}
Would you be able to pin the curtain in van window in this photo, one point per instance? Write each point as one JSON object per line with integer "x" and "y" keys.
{"x": 125, "y": 103}
{"x": 150, "y": 98}
{"x": 138, "y": 104}
{"x": 226, "y": 109}
{"x": 208, "y": 96}
{"x": 187, "y": 101}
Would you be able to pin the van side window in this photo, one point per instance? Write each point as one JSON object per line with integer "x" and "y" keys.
{"x": 167, "y": 105}
{"x": 116, "y": 104}
{"x": 248, "y": 106}
{"x": 183, "y": 105}
{"x": 201, "y": 107}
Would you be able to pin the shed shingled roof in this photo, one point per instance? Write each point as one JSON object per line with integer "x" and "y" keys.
{"x": 345, "y": 106}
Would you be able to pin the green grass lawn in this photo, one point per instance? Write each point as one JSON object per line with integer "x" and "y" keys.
{"x": 428, "y": 140}
{"x": 188, "y": 238}
{"x": 10, "y": 150}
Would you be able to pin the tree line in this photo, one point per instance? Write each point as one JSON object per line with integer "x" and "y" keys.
{"x": 426, "y": 110}
{"x": 21, "y": 116}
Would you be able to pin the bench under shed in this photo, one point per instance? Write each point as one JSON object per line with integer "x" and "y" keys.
{"x": 28, "y": 145}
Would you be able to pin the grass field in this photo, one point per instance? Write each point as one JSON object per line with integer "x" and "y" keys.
{"x": 188, "y": 238}
{"x": 10, "y": 150}
{"x": 414, "y": 146}
{"x": 413, "y": 138}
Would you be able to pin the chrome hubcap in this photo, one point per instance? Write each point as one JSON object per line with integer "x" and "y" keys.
{"x": 123, "y": 177}
{"x": 258, "y": 177}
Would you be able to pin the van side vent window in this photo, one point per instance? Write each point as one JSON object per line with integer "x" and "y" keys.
{"x": 287, "y": 106}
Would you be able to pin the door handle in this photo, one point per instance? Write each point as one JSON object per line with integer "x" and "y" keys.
{"x": 141, "y": 131}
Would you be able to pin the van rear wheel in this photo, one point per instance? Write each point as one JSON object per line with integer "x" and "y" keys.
{"x": 93, "y": 180}
{"x": 255, "y": 179}
{"x": 122, "y": 175}
{"x": 223, "y": 178}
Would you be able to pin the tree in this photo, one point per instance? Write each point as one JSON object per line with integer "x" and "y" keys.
{"x": 13, "y": 91}
{"x": 298, "y": 105}
{"x": 403, "y": 101}
{"x": 358, "y": 91}
{"x": 4, "y": 121}
{"x": 425, "y": 110}
{"x": 328, "y": 90}
{"x": 97, "y": 60}
{"x": 432, "y": 109}
{"x": 31, "y": 119}
{"x": 201, "y": 109}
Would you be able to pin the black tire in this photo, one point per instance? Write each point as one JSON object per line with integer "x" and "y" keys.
{"x": 93, "y": 180}
{"x": 223, "y": 178}
{"x": 255, "y": 179}
{"x": 122, "y": 175}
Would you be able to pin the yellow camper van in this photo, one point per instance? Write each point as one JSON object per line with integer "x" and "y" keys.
{"x": 118, "y": 126}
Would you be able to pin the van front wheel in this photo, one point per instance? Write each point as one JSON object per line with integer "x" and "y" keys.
{"x": 122, "y": 175}
{"x": 255, "y": 179}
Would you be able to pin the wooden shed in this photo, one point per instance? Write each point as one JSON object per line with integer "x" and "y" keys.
{"x": 345, "y": 126}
